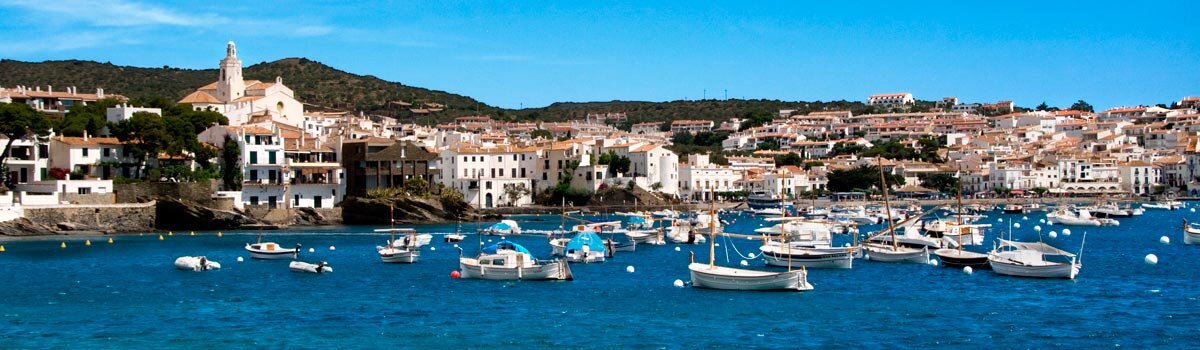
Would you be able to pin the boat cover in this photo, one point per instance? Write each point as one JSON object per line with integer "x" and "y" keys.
{"x": 589, "y": 239}
{"x": 506, "y": 245}
{"x": 1035, "y": 246}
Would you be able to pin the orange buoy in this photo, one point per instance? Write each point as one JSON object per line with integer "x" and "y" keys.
{"x": 455, "y": 274}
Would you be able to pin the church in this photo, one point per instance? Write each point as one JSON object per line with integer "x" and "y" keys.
{"x": 247, "y": 101}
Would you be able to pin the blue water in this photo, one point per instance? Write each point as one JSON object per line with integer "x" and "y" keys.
{"x": 129, "y": 295}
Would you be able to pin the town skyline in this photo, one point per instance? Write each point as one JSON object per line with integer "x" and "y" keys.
{"x": 747, "y": 55}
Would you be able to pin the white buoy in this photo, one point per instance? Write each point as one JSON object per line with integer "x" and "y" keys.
{"x": 332, "y": 248}
{"x": 1151, "y": 259}
{"x": 1042, "y": 221}
{"x": 752, "y": 255}
{"x": 1000, "y": 220}
{"x": 933, "y": 262}
{"x": 489, "y": 240}
{"x": 866, "y": 257}
{"x": 1193, "y": 210}
{"x": 744, "y": 263}
{"x": 1164, "y": 240}
{"x": 679, "y": 283}
{"x": 1037, "y": 228}
{"x": 312, "y": 250}
{"x": 1066, "y": 232}
{"x": 677, "y": 249}
{"x": 716, "y": 244}
{"x": 1053, "y": 234}
{"x": 1026, "y": 218}
{"x": 456, "y": 245}
{"x": 240, "y": 259}
{"x": 629, "y": 269}
{"x": 968, "y": 270}
{"x": 1017, "y": 225}
{"x": 432, "y": 248}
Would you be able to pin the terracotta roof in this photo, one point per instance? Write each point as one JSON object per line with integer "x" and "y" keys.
{"x": 249, "y": 130}
{"x": 199, "y": 97}
{"x": 89, "y": 141}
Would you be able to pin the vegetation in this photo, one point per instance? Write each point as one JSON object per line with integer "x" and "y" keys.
{"x": 940, "y": 182}
{"x": 514, "y": 192}
{"x": 18, "y": 121}
{"x": 685, "y": 144}
{"x": 617, "y": 164}
{"x": 789, "y": 159}
{"x": 860, "y": 179}
{"x": 231, "y": 171}
{"x": 1082, "y": 105}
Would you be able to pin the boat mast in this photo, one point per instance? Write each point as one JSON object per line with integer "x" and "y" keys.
{"x": 783, "y": 228}
{"x": 712, "y": 229}
{"x": 958, "y": 217}
{"x": 887, "y": 207}
{"x": 392, "y": 221}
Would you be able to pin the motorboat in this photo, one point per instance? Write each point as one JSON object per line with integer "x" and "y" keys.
{"x": 684, "y": 235}
{"x": 764, "y": 200}
{"x": 454, "y": 238}
{"x": 1164, "y": 205}
{"x": 272, "y": 251}
{"x": 777, "y": 253}
{"x": 1110, "y": 210}
{"x": 1191, "y": 233}
{"x": 651, "y": 237}
{"x": 586, "y": 247}
{"x": 508, "y": 261}
{"x": 728, "y": 278}
{"x": 318, "y": 268}
{"x": 912, "y": 238}
{"x": 967, "y": 234}
{"x": 1030, "y": 260}
{"x": 952, "y": 257}
{"x": 622, "y": 243}
{"x": 196, "y": 263}
{"x": 1070, "y": 218}
{"x": 768, "y": 212}
{"x": 504, "y": 227}
{"x": 391, "y": 254}
{"x": 1013, "y": 208}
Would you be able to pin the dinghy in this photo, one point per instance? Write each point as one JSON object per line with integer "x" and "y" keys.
{"x": 196, "y": 263}
{"x": 318, "y": 268}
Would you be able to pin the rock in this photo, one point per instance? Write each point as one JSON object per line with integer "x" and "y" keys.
{"x": 24, "y": 227}
{"x": 67, "y": 226}
{"x": 178, "y": 215}
{"x": 367, "y": 211}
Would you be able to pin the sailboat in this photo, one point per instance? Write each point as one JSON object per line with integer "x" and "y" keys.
{"x": 728, "y": 278}
{"x": 1029, "y": 260}
{"x": 804, "y": 243}
{"x": 399, "y": 252}
{"x": 958, "y": 257}
{"x": 893, "y": 252}
{"x": 271, "y": 250}
{"x": 1191, "y": 233}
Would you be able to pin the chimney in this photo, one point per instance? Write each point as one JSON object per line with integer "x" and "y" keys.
{"x": 99, "y": 92}
{"x": 49, "y": 89}
{"x": 85, "y": 135}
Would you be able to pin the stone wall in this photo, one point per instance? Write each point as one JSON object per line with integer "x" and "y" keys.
{"x": 119, "y": 218}
{"x": 89, "y": 199}
{"x": 199, "y": 192}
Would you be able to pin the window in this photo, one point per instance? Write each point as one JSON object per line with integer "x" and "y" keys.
{"x": 296, "y": 201}
{"x": 271, "y": 157}
{"x": 493, "y": 172}
{"x": 514, "y": 157}
{"x": 513, "y": 172}
{"x": 271, "y": 175}
{"x": 547, "y": 166}
{"x": 85, "y": 190}
{"x": 107, "y": 152}
{"x": 85, "y": 152}
{"x": 544, "y": 176}
{"x": 499, "y": 159}
{"x": 487, "y": 184}
{"x": 272, "y": 202}
{"x": 522, "y": 172}
{"x": 253, "y": 200}
{"x": 253, "y": 157}
{"x": 253, "y": 175}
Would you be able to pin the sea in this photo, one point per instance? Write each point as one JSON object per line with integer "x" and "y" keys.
{"x": 129, "y": 295}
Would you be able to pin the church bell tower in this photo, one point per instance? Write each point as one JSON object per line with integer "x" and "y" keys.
{"x": 230, "y": 85}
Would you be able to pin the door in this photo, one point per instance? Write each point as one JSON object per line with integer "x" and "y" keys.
{"x": 317, "y": 202}
{"x": 488, "y": 199}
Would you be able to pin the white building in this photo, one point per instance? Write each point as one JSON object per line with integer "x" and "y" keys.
{"x": 264, "y": 170}
{"x": 124, "y": 112}
{"x": 482, "y": 174}
{"x": 243, "y": 101}
{"x": 891, "y": 100}
{"x": 698, "y": 178}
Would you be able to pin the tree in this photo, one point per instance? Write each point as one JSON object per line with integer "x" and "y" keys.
{"x": 941, "y": 182}
{"x": 231, "y": 172}
{"x": 146, "y": 134}
{"x": 19, "y": 121}
{"x": 1040, "y": 191}
{"x": 1082, "y": 105}
{"x": 929, "y": 147}
{"x": 88, "y": 118}
{"x": 788, "y": 159}
{"x": 416, "y": 186}
{"x": 541, "y": 134}
{"x": 755, "y": 119}
{"x": 1001, "y": 191}
{"x": 656, "y": 186}
{"x": 514, "y": 192}
{"x": 1042, "y": 107}
{"x": 768, "y": 145}
{"x": 860, "y": 178}
{"x": 845, "y": 148}
{"x": 718, "y": 158}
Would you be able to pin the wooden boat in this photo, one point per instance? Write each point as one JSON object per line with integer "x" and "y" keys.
{"x": 892, "y": 251}
{"x": 196, "y": 263}
{"x": 1013, "y": 208}
{"x": 272, "y": 251}
{"x": 958, "y": 257}
{"x": 1191, "y": 233}
{"x": 510, "y": 261}
{"x": 405, "y": 250}
{"x": 728, "y": 278}
{"x": 805, "y": 244}
{"x": 1029, "y": 260}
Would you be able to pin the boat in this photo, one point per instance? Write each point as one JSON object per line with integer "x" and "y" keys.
{"x": 1013, "y": 208}
{"x": 1191, "y": 233}
{"x": 272, "y": 251}
{"x": 768, "y": 212}
{"x": 509, "y": 261}
{"x": 622, "y": 243}
{"x": 965, "y": 234}
{"x": 957, "y": 257}
{"x": 504, "y": 227}
{"x": 892, "y": 251}
{"x": 683, "y": 235}
{"x": 764, "y": 200}
{"x": 803, "y": 243}
{"x": 651, "y": 237}
{"x": 1164, "y": 205}
{"x": 404, "y": 250}
{"x": 586, "y": 247}
{"x": 318, "y": 268}
{"x": 454, "y": 238}
{"x": 638, "y": 221}
{"x": 1067, "y": 217}
{"x": 1110, "y": 210}
{"x": 712, "y": 276}
{"x": 196, "y": 263}
{"x": 1029, "y": 260}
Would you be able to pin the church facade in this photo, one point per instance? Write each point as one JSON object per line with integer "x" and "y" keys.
{"x": 247, "y": 101}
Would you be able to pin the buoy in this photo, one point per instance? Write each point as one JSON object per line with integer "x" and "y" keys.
{"x": 744, "y": 263}
{"x": 332, "y": 248}
{"x": 716, "y": 244}
{"x": 1037, "y": 228}
{"x": 933, "y": 262}
{"x": 219, "y": 234}
{"x": 1017, "y": 225}
{"x": 312, "y": 250}
{"x": 968, "y": 270}
{"x": 679, "y": 283}
{"x": 866, "y": 256}
{"x": 160, "y": 237}
{"x": 1066, "y": 232}
{"x": 1000, "y": 220}
{"x": 240, "y": 259}
{"x": 676, "y": 248}
{"x": 193, "y": 233}
{"x": 1053, "y": 234}
{"x": 752, "y": 255}
{"x": 456, "y": 245}
{"x": 169, "y": 233}
{"x": 1024, "y": 218}
{"x": 455, "y": 274}
{"x": 629, "y": 269}
{"x": 109, "y": 240}
{"x": 1193, "y": 210}
{"x": 1151, "y": 259}
{"x": 432, "y": 248}
{"x": 63, "y": 245}
{"x": 502, "y": 238}
{"x": 87, "y": 243}
{"x": 1042, "y": 221}
{"x": 1163, "y": 240}
{"x": 1, "y": 248}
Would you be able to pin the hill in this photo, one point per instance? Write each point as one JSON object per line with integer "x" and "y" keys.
{"x": 321, "y": 85}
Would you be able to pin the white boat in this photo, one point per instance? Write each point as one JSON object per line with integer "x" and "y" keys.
{"x": 510, "y": 261}
{"x": 884, "y": 252}
{"x": 792, "y": 254}
{"x": 1066, "y": 217}
{"x": 768, "y": 212}
{"x": 586, "y": 247}
{"x": 1191, "y": 233}
{"x": 1029, "y": 260}
{"x": 684, "y": 235}
{"x": 300, "y": 266}
{"x": 271, "y": 251}
{"x": 398, "y": 255}
{"x": 728, "y": 278}
{"x": 968, "y": 234}
{"x": 196, "y": 263}
{"x": 1110, "y": 210}
{"x": 1165, "y": 205}
{"x": 454, "y": 238}
{"x": 651, "y": 237}
{"x": 665, "y": 213}
{"x": 914, "y": 239}
{"x": 504, "y": 227}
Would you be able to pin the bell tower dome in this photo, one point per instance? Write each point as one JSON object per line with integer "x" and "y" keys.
{"x": 230, "y": 85}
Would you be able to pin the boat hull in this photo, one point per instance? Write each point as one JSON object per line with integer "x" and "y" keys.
{"x": 901, "y": 255}
{"x": 271, "y": 254}
{"x": 399, "y": 256}
{"x": 553, "y": 270}
{"x": 725, "y": 278}
{"x": 1061, "y": 270}
{"x": 811, "y": 258}
{"x": 1190, "y": 237}
{"x": 958, "y": 259}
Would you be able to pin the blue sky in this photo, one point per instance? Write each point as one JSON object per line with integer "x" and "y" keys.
{"x": 532, "y": 53}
